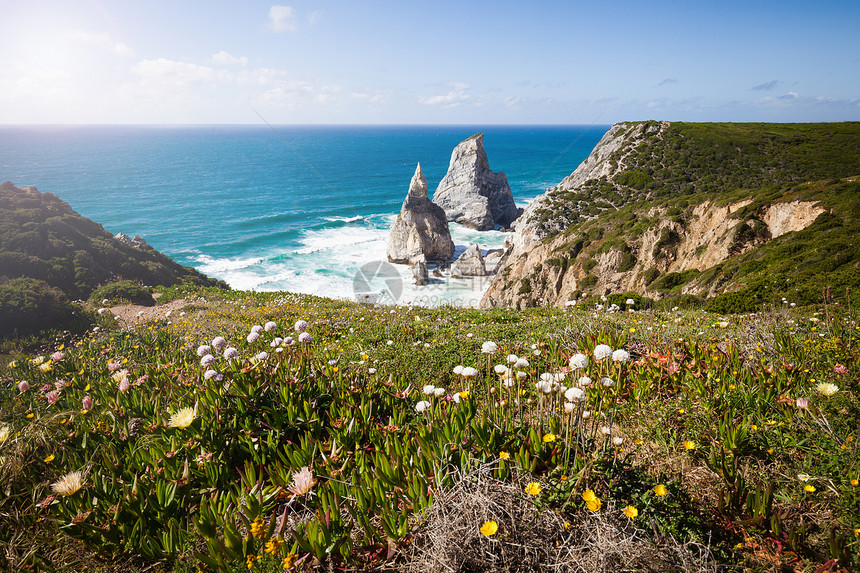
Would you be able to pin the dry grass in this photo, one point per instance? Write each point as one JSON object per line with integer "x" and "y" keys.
{"x": 533, "y": 539}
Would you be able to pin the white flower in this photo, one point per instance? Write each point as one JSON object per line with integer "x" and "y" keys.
{"x": 605, "y": 430}
{"x": 608, "y": 382}
{"x": 257, "y": 328}
{"x": 469, "y": 372}
{"x": 521, "y": 363}
{"x": 620, "y": 356}
{"x": 827, "y": 389}
{"x": 270, "y": 326}
{"x": 182, "y": 418}
{"x": 584, "y": 381}
{"x": 203, "y": 350}
{"x": 68, "y": 484}
{"x": 630, "y": 302}
{"x": 262, "y": 355}
{"x": 458, "y": 370}
{"x": 512, "y": 358}
{"x": 209, "y": 374}
{"x": 218, "y": 342}
{"x": 4, "y": 433}
{"x": 438, "y": 392}
{"x": 578, "y": 361}
{"x": 428, "y": 389}
{"x": 422, "y": 406}
{"x": 303, "y": 481}
{"x": 803, "y": 477}
{"x": 586, "y": 414}
{"x": 371, "y": 370}
{"x": 207, "y": 361}
{"x": 276, "y": 342}
{"x": 521, "y": 375}
{"x": 230, "y": 353}
{"x": 301, "y": 326}
{"x": 253, "y": 337}
{"x": 544, "y": 386}
{"x": 500, "y": 369}
{"x": 489, "y": 347}
{"x": 305, "y": 337}
{"x": 569, "y": 407}
{"x": 617, "y": 440}
{"x": 602, "y": 351}
{"x": 575, "y": 395}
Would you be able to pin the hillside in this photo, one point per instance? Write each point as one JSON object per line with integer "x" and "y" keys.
{"x": 694, "y": 211}
{"x": 49, "y": 255}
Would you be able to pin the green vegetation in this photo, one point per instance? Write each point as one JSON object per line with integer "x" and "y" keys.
{"x": 737, "y": 435}
{"x": 50, "y": 255}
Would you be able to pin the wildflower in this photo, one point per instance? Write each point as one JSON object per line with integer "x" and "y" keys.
{"x": 261, "y": 356}
{"x": 489, "y": 528}
{"x": 273, "y": 546}
{"x": 617, "y": 440}
{"x": 458, "y": 370}
{"x": 438, "y": 392}
{"x": 23, "y": 386}
{"x": 802, "y": 403}
{"x": 207, "y": 360}
{"x": 57, "y": 356}
{"x": 305, "y": 338}
{"x": 4, "y": 433}
{"x": 124, "y": 385}
{"x": 218, "y": 343}
{"x": 689, "y": 445}
{"x": 660, "y": 490}
{"x": 464, "y": 395}
{"x": 489, "y": 347}
{"x": 569, "y": 407}
{"x": 605, "y": 430}
{"x": 631, "y": 512}
{"x": 827, "y": 389}
{"x": 533, "y": 488}
{"x": 68, "y": 484}
{"x": 469, "y": 372}
{"x": 620, "y": 356}
{"x": 501, "y": 369}
{"x": 270, "y": 326}
{"x": 608, "y": 382}
{"x": 593, "y": 505}
{"x": 803, "y": 477}
{"x": 549, "y": 438}
{"x": 182, "y": 418}
{"x": 257, "y": 527}
{"x": 87, "y": 403}
{"x": 303, "y": 481}
{"x": 854, "y": 482}
{"x": 428, "y": 389}
{"x": 38, "y": 360}
{"x": 49, "y": 459}
{"x": 53, "y": 397}
{"x": 507, "y": 456}
{"x": 252, "y": 337}
{"x": 840, "y": 369}
{"x": 578, "y": 361}
{"x": 371, "y": 371}
{"x": 422, "y": 406}
{"x": 301, "y": 326}
{"x": 809, "y": 488}
{"x": 584, "y": 381}
{"x": 231, "y": 353}
{"x": 203, "y": 350}
{"x": 602, "y": 351}
{"x": 512, "y": 358}
{"x": 288, "y": 561}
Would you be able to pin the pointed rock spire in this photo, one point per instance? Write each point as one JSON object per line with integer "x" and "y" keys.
{"x": 421, "y": 228}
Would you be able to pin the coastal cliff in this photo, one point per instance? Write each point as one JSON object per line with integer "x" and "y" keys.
{"x": 691, "y": 211}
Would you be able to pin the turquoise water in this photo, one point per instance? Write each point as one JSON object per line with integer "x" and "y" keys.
{"x": 283, "y": 208}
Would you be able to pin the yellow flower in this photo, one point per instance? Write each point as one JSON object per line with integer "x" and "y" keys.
{"x": 857, "y": 532}
{"x": 257, "y": 527}
{"x": 549, "y": 438}
{"x": 854, "y": 482}
{"x": 809, "y": 488}
{"x": 504, "y": 456}
{"x": 660, "y": 490}
{"x": 638, "y": 442}
{"x": 49, "y": 459}
{"x": 631, "y": 512}
{"x": 593, "y": 505}
{"x": 464, "y": 395}
{"x": 689, "y": 445}
{"x": 30, "y": 415}
{"x": 533, "y": 488}
{"x": 273, "y": 546}
{"x": 182, "y": 418}
{"x": 567, "y": 525}
{"x": 4, "y": 433}
{"x": 489, "y": 528}
{"x": 288, "y": 561}
{"x": 588, "y": 495}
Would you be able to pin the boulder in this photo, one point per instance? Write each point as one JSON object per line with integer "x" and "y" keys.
{"x": 420, "y": 272}
{"x": 471, "y": 194}
{"x": 421, "y": 228}
{"x": 469, "y": 264}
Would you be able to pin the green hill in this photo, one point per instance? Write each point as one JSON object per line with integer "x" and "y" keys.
{"x": 50, "y": 255}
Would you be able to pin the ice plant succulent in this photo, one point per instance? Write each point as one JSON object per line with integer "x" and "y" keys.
{"x": 303, "y": 481}
{"x": 182, "y": 418}
{"x": 69, "y": 484}
{"x": 827, "y": 389}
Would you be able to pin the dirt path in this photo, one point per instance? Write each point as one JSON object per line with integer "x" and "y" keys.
{"x": 133, "y": 313}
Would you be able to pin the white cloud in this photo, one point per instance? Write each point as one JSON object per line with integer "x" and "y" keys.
{"x": 226, "y": 59}
{"x": 282, "y": 18}
{"x": 457, "y": 96}
{"x": 174, "y": 71}
{"x": 102, "y": 41}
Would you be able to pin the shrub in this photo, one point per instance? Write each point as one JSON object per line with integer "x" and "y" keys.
{"x": 123, "y": 290}
{"x": 29, "y": 305}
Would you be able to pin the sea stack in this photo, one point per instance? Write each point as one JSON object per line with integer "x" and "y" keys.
{"x": 421, "y": 228}
{"x": 471, "y": 194}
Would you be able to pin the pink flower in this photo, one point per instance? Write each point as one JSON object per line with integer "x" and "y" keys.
{"x": 57, "y": 356}
{"x": 840, "y": 369}
{"x": 674, "y": 368}
{"x": 305, "y": 337}
{"x": 87, "y": 402}
{"x": 113, "y": 366}
{"x": 303, "y": 481}
{"x": 23, "y": 386}
{"x": 270, "y": 326}
{"x": 253, "y": 337}
{"x": 124, "y": 385}
{"x": 802, "y": 403}
{"x": 53, "y": 397}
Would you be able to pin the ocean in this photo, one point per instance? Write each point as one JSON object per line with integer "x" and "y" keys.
{"x": 297, "y": 208}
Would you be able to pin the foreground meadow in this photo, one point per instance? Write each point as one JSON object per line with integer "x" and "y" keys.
{"x": 272, "y": 432}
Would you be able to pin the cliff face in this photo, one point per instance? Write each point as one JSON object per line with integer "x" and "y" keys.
{"x": 660, "y": 209}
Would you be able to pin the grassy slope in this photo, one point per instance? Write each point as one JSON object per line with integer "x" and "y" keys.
{"x": 320, "y": 405}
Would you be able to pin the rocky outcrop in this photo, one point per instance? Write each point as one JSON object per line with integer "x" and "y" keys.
{"x": 419, "y": 270}
{"x": 469, "y": 264}
{"x": 136, "y": 242}
{"x": 421, "y": 228}
{"x": 471, "y": 194}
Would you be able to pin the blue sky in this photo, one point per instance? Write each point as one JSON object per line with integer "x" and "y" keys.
{"x": 437, "y": 62}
